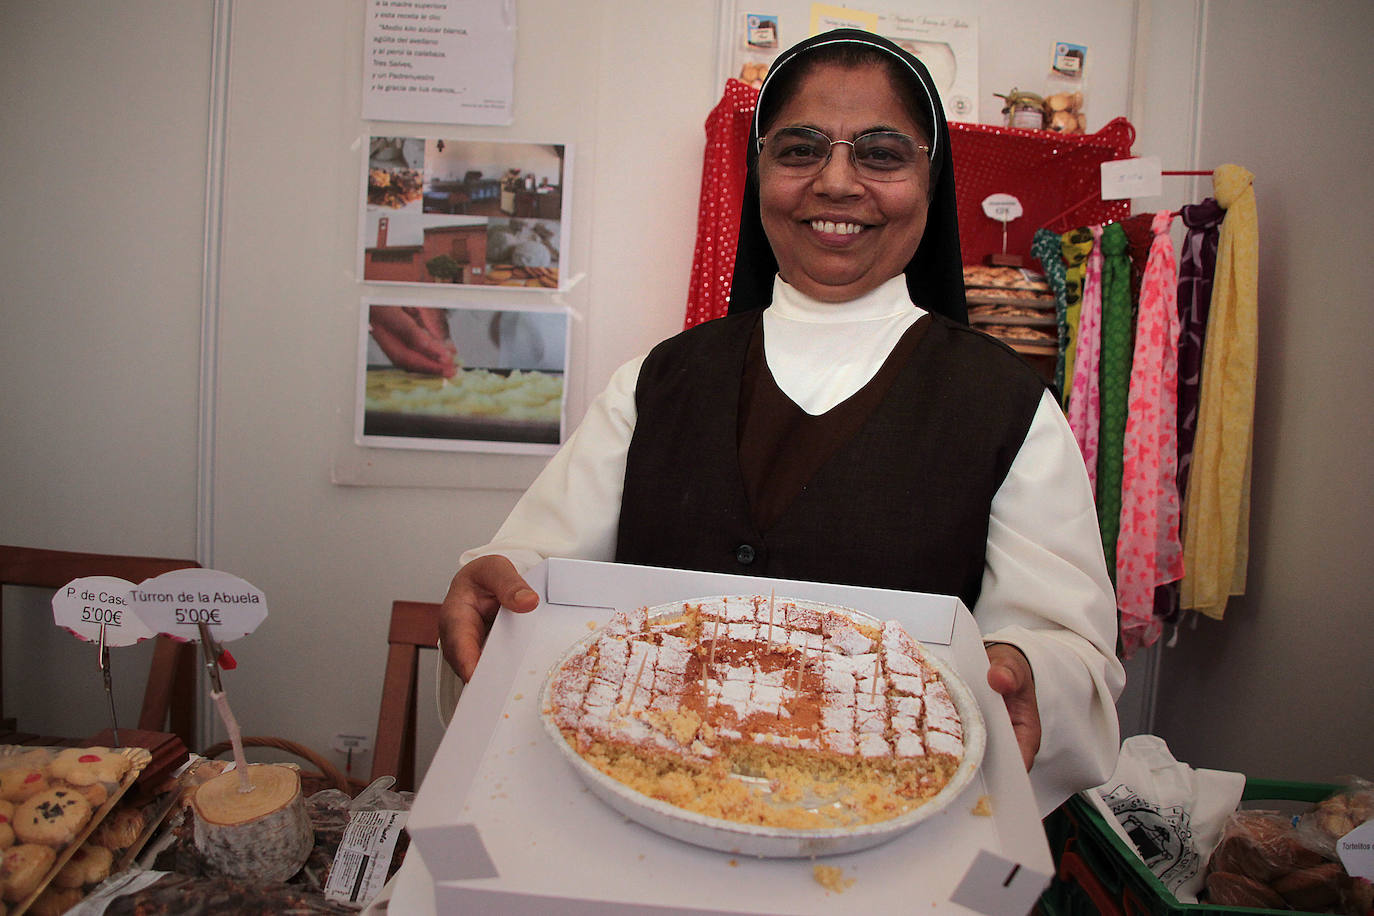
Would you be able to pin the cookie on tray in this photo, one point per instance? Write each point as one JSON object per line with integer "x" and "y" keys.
{"x": 22, "y": 782}
{"x": 82, "y": 766}
{"x": 54, "y": 901}
{"x": 6, "y": 824}
{"x": 52, "y": 818}
{"x": 95, "y": 793}
{"x": 22, "y": 868}
{"x": 120, "y": 828}
{"x": 88, "y": 865}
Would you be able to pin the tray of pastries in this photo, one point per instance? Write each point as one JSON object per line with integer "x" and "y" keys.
{"x": 55, "y": 826}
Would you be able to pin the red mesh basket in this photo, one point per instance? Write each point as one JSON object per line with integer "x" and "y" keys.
{"x": 1057, "y": 177}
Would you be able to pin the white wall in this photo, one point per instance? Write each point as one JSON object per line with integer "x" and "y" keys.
{"x": 102, "y": 349}
{"x": 331, "y": 558}
{"x": 1281, "y": 687}
{"x": 103, "y": 137}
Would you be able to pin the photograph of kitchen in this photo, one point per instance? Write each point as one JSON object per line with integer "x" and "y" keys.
{"x": 448, "y": 211}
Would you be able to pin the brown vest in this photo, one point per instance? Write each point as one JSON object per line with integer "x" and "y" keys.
{"x": 903, "y": 501}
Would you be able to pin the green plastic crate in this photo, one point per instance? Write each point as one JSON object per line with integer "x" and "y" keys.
{"x": 1096, "y": 874}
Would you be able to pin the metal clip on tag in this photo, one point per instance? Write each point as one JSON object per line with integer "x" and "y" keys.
{"x": 103, "y": 660}
{"x": 211, "y": 651}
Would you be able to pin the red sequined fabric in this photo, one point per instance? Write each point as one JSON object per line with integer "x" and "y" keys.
{"x": 722, "y": 193}
{"x": 1055, "y": 176}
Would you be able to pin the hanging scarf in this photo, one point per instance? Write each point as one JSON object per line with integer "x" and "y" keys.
{"x": 1140, "y": 240}
{"x": 1075, "y": 245}
{"x": 1085, "y": 401}
{"x": 1217, "y": 511}
{"x": 935, "y": 273}
{"x": 1197, "y": 268}
{"x": 1148, "y": 552}
{"x": 1045, "y": 247}
{"x": 722, "y": 190}
{"x": 1115, "y": 372}
{"x": 1197, "y": 264}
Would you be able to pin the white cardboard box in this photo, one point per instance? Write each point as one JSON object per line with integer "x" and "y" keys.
{"x": 503, "y": 824}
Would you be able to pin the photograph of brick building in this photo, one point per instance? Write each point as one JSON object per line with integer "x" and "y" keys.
{"x": 471, "y": 213}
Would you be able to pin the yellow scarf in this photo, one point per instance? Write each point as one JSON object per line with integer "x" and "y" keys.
{"x": 1216, "y": 517}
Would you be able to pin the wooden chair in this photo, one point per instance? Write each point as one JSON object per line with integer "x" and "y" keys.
{"x": 170, "y": 692}
{"x": 414, "y": 626}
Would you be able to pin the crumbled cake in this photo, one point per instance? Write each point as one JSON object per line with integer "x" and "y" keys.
{"x": 822, "y": 719}
{"x": 831, "y": 878}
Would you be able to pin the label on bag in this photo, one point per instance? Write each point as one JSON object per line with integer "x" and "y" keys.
{"x": 83, "y": 606}
{"x": 1356, "y": 850}
{"x": 178, "y": 602}
{"x": 360, "y": 868}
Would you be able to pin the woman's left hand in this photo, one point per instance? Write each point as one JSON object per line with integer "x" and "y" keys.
{"x": 1009, "y": 673}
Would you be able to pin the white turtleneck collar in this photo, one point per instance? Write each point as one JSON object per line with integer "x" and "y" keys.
{"x": 886, "y": 301}
{"x": 820, "y": 353}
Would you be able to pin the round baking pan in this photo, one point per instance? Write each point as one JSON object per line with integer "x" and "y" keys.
{"x": 770, "y": 842}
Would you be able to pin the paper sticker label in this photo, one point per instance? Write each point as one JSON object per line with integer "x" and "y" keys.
{"x": 1069, "y": 58}
{"x": 827, "y": 16}
{"x": 82, "y": 606}
{"x": 1002, "y": 207}
{"x": 178, "y": 602}
{"x": 1127, "y": 178}
{"x": 761, "y": 31}
{"x": 364, "y": 857}
{"x": 1356, "y": 850}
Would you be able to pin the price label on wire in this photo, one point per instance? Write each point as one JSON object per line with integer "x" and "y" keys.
{"x": 83, "y": 606}
{"x": 178, "y": 602}
{"x": 1002, "y": 207}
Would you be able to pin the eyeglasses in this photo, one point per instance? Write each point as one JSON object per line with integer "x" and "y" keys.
{"x": 882, "y": 155}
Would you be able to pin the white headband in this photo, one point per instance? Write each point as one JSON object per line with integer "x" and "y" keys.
{"x": 929, "y": 90}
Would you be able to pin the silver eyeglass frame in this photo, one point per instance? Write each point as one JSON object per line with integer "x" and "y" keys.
{"x": 853, "y": 158}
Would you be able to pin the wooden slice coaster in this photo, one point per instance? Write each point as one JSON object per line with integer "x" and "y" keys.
{"x": 263, "y": 835}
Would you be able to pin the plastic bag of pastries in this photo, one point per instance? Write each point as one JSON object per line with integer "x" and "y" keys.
{"x": 1336, "y": 816}
{"x": 1264, "y": 861}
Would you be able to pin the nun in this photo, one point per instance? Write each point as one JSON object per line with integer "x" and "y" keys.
{"x": 843, "y": 423}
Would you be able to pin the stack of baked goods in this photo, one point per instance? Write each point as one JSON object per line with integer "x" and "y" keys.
{"x": 1276, "y": 862}
{"x": 1014, "y": 305}
{"x": 762, "y": 711}
{"x": 53, "y": 805}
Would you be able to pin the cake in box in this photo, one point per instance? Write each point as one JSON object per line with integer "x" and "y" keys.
{"x": 761, "y": 710}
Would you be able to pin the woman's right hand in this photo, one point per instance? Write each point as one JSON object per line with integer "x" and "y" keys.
{"x": 476, "y": 594}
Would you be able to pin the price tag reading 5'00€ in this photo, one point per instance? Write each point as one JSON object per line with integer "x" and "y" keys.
{"x": 178, "y": 602}
{"x": 83, "y": 606}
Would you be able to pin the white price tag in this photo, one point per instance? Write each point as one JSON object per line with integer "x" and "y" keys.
{"x": 82, "y": 606}
{"x": 1126, "y": 178}
{"x": 1356, "y": 850}
{"x": 178, "y": 602}
{"x": 1002, "y": 207}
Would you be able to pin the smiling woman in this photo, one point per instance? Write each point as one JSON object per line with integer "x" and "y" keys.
{"x": 843, "y": 225}
{"x": 909, "y": 106}
{"x": 844, "y": 424}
